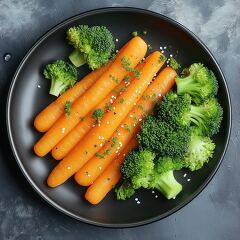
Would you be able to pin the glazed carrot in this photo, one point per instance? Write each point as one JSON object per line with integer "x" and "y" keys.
{"x": 109, "y": 178}
{"x": 48, "y": 116}
{"x": 128, "y": 128}
{"x": 77, "y": 133}
{"x": 134, "y": 51}
{"x": 97, "y": 136}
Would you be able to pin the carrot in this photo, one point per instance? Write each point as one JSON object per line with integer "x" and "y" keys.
{"x": 134, "y": 51}
{"x": 69, "y": 141}
{"x": 128, "y": 128}
{"x": 97, "y": 136}
{"x": 48, "y": 116}
{"x": 109, "y": 178}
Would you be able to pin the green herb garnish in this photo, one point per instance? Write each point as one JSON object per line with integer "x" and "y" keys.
{"x": 67, "y": 108}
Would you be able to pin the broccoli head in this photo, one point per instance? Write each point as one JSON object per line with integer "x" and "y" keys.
{"x": 165, "y": 164}
{"x": 62, "y": 75}
{"x": 199, "y": 152}
{"x": 198, "y": 81}
{"x": 138, "y": 166}
{"x": 163, "y": 138}
{"x": 178, "y": 110}
{"x": 124, "y": 191}
{"x": 93, "y": 45}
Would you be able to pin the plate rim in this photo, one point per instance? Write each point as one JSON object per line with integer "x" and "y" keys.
{"x": 14, "y": 150}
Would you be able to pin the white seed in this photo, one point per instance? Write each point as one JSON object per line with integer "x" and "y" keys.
{"x": 188, "y": 179}
{"x": 39, "y": 86}
{"x": 184, "y": 175}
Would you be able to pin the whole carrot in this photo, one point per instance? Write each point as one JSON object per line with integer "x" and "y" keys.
{"x": 48, "y": 116}
{"x": 98, "y": 135}
{"x": 128, "y": 128}
{"x": 109, "y": 178}
{"x": 134, "y": 51}
{"x": 77, "y": 133}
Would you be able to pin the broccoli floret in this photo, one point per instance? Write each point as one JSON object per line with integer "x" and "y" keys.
{"x": 166, "y": 184}
{"x": 178, "y": 110}
{"x": 165, "y": 164}
{"x": 124, "y": 191}
{"x": 93, "y": 45}
{"x": 163, "y": 138}
{"x": 138, "y": 166}
{"x": 198, "y": 81}
{"x": 62, "y": 75}
{"x": 200, "y": 150}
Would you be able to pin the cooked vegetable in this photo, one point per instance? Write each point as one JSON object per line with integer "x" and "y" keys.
{"x": 200, "y": 150}
{"x": 174, "y": 64}
{"x": 48, "y": 116}
{"x": 138, "y": 170}
{"x": 178, "y": 110}
{"x": 93, "y": 45}
{"x": 197, "y": 81}
{"x": 77, "y": 133}
{"x": 128, "y": 128}
{"x": 163, "y": 138}
{"x": 165, "y": 164}
{"x": 134, "y": 50}
{"x": 109, "y": 178}
{"x": 109, "y": 123}
{"x": 63, "y": 75}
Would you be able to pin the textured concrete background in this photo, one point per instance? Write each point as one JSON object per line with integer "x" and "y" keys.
{"x": 214, "y": 214}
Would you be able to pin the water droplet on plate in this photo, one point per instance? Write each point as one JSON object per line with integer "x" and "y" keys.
{"x": 7, "y": 57}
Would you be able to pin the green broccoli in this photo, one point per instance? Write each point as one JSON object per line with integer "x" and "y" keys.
{"x": 165, "y": 164}
{"x": 199, "y": 152}
{"x": 178, "y": 110}
{"x": 163, "y": 138}
{"x": 198, "y": 81}
{"x": 124, "y": 191}
{"x": 93, "y": 45}
{"x": 138, "y": 166}
{"x": 138, "y": 171}
{"x": 166, "y": 184}
{"x": 62, "y": 75}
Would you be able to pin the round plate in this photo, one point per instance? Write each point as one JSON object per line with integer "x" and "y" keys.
{"x": 26, "y": 99}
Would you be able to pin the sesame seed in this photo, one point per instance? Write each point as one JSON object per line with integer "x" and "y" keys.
{"x": 140, "y": 119}
{"x": 118, "y": 148}
{"x": 68, "y": 168}
{"x": 153, "y": 191}
{"x": 164, "y": 47}
{"x": 136, "y": 199}
{"x": 134, "y": 104}
{"x": 107, "y": 122}
{"x": 122, "y": 126}
{"x": 174, "y": 197}
{"x": 156, "y": 196}
{"x": 138, "y": 202}
{"x": 171, "y": 55}
{"x": 162, "y": 51}
{"x": 159, "y": 95}
{"x": 114, "y": 108}
{"x": 155, "y": 76}
{"x": 161, "y": 48}
{"x": 117, "y": 51}
{"x": 116, "y": 151}
{"x": 39, "y": 86}
{"x": 111, "y": 101}
{"x": 131, "y": 115}
{"x": 103, "y": 138}
{"x": 63, "y": 130}
{"x": 144, "y": 58}
{"x": 184, "y": 175}
{"x": 100, "y": 144}
{"x": 119, "y": 134}
{"x": 99, "y": 137}
{"x": 134, "y": 124}
{"x": 188, "y": 179}
{"x": 116, "y": 39}
{"x": 99, "y": 124}
{"x": 100, "y": 168}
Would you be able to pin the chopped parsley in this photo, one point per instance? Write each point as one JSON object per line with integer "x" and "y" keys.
{"x": 135, "y": 33}
{"x": 126, "y": 64}
{"x": 82, "y": 118}
{"x": 107, "y": 152}
{"x": 162, "y": 58}
{"x": 119, "y": 90}
{"x": 98, "y": 114}
{"x": 149, "y": 46}
{"x": 67, "y": 108}
{"x": 108, "y": 107}
{"x": 99, "y": 155}
{"x": 174, "y": 64}
{"x": 140, "y": 107}
{"x": 121, "y": 100}
{"x": 114, "y": 141}
{"x": 127, "y": 78}
{"x": 115, "y": 79}
{"x": 129, "y": 128}
{"x": 145, "y": 32}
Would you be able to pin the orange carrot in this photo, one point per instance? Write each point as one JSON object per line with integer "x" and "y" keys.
{"x": 69, "y": 141}
{"x": 134, "y": 51}
{"x": 48, "y": 116}
{"x": 97, "y": 136}
{"x": 109, "y": 178}
{"x": 128, "y": 128}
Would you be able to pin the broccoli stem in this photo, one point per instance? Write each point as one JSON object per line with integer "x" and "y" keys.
{"x": 77, "y": 58}
{"x": 168, "y": 185}
{"x": 57, "y": 87}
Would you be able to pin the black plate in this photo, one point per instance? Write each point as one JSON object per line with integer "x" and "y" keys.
{"x": 26, "y": 100}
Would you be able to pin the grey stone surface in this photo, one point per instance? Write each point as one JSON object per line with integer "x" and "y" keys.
{"x": 214, "y": 214}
